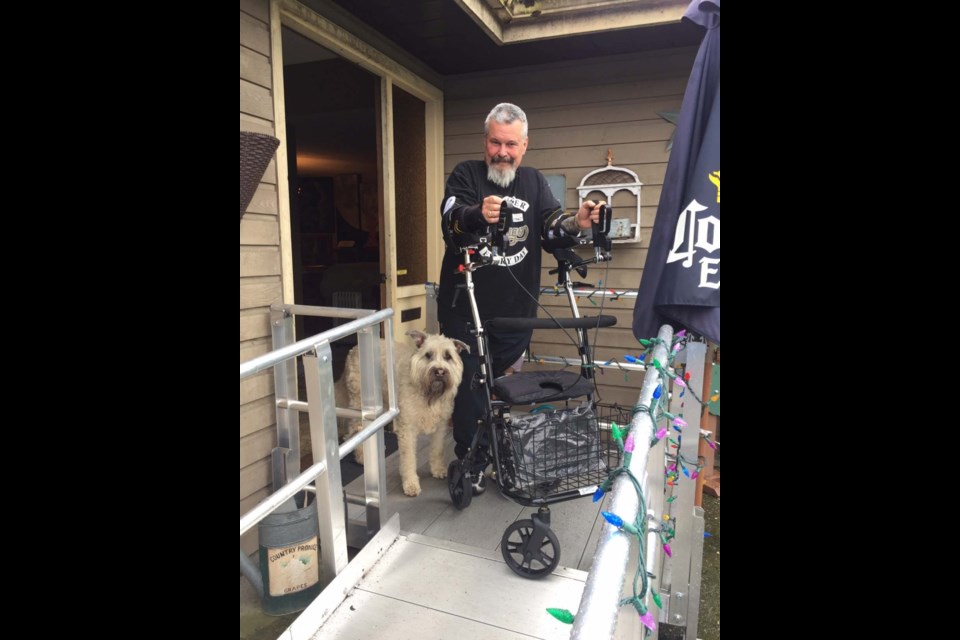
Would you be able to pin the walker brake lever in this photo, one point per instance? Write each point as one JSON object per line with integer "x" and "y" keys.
{"x": 601, "y": 243}
{"x": 498, "y": 231}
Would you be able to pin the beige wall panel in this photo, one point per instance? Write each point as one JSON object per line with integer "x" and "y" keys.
{"x": 259, "y": 261}
{"x": 260, "y": 266}
{"x": 618, "y": 278}
{"x": 255, "y": 100}
{"x": 257, "y": 446}
{"x": 250, "y": 541}
{"x": 254, "y": 34}
{"x": 255, "y": 68}
{"x": 259, "y": 386}
{"x": 259, "y": 9}
{"x": 256, "y": 125}
{"x": 259, "y": 231}
{"x": 627, "y": 68}
{"x": 257, "y": 415}
{"x": 264, "y": 200}
{"x": 553, "y": 160}
{"x": 578, "y": 115}
{"x": 254, "y": 477}
{"x": 620, "y": 339}
{"x": 255, "y": 324}
{"x": 589, "y": 135}
{"x": 254, "y": 348}
{"x": 612, "y": 92}
{"x": 260, "y": 294}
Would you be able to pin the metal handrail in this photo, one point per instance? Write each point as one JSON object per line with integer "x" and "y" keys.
{"x": 267, "y": 360}
{"x": 329, "y": 501}
{"x": 281, "y": 495}
{"x": 603, "y": 292}
{"x": 599, "y": 606}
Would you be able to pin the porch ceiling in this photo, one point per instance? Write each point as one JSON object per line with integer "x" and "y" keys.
{"x": 463, "y": 36}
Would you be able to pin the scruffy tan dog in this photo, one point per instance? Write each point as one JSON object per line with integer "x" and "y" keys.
{"x": 428, "y": 373}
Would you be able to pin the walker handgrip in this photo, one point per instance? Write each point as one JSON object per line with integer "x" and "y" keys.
{"x": 523, "y": 324}
{"x": 601, "y": 229}
{"x": 498, "y": 230}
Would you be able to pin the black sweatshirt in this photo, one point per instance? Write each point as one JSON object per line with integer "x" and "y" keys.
{"x": 535, "y": 216}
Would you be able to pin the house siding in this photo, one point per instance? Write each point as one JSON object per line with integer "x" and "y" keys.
{"x": 260, "y": 284}
{"x": 576, "y": 111}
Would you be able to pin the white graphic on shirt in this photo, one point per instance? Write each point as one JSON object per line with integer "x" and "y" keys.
{"x": 449, "y": 205}
{"x": 517, "y": 203}
{"x": 509, "y": 261}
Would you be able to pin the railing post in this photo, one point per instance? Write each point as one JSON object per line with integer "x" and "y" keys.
{"x": 286, "y": 455}
{"x": 433, "y": 324}
{"x": 679, "y": 607}
{"x": 331, "y": 512}
{"x": 371, "y": 404}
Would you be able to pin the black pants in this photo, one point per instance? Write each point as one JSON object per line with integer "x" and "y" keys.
{"x": 470, "y": 404}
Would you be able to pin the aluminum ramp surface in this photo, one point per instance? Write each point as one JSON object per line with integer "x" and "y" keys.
{"x": 429, "y": 589}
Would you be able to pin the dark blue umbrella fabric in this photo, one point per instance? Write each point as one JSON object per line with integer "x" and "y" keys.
{"x": 680, "y": 284}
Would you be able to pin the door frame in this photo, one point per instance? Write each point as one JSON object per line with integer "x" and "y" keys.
{"x": 311, "y": 25}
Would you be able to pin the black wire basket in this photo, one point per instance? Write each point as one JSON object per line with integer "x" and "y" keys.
{"x": 559, "y": 454}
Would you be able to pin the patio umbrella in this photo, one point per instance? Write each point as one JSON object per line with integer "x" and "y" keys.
{"x": 680, "y": 284}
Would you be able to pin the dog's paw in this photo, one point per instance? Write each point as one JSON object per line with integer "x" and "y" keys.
{"x": 438, "y": 472}
{"x": 412, "y": 487}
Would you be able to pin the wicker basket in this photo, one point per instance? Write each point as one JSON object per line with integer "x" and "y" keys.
{"x": 256, "y": 149}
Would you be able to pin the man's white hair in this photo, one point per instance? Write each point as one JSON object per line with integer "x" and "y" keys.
{"x": 506, "y": 113}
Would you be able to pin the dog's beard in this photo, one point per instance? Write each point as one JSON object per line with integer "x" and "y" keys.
{"x": 435, "y": 389}
{"x": 501, "y": 177}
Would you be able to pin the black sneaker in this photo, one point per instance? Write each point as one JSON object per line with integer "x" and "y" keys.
{"x": 479, "y": 483}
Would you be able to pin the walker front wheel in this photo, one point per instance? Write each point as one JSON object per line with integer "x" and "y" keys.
{"x": 458, "y": 483}
{"x": 531, "y": 552}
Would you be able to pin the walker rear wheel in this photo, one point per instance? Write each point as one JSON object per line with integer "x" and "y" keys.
{"x": 458, "y": 483}
{"x": 530, "y": 552}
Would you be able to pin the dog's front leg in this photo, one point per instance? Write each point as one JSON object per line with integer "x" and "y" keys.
{"x": 437, "y": 468}
{"x": 407, "y": 443}
{"x": 356, "y": 427}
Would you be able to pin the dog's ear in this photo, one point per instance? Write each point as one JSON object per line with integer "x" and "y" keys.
{"x": 418, "y": 337}
{"x": 461, "y": 346}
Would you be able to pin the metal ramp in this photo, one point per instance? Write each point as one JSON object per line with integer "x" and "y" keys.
{"x": 412, "y": 585}
{"x": 468, "y": 592}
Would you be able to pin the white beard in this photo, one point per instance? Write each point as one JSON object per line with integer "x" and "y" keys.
{"x": 501, "y": 177}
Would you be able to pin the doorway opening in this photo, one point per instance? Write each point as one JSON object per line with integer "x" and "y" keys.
{"x": 331, "y": 108}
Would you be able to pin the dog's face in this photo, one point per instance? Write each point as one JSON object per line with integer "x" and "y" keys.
{"x": 436, "y": 364}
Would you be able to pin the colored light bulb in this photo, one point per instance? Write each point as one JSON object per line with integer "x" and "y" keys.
{"x": 612, "y": 518}
{"x": 648, "y": 621}
{"x": 615, "y": 430}
{"x": 563, "y": 615}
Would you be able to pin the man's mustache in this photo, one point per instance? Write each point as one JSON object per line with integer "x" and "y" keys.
{"x": 506, "y": 159}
